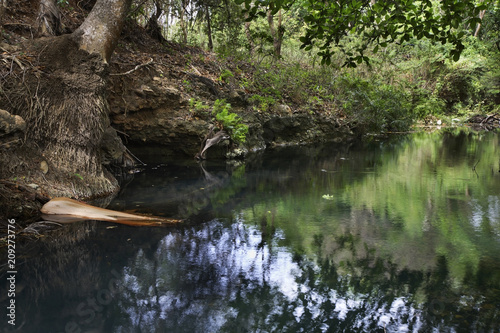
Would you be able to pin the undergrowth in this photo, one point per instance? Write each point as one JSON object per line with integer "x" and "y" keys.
{"x": 403, "y": 84}
{"x": 220, "y": 114}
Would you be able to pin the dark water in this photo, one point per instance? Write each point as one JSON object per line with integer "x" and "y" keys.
{"x": 394, "y": 235}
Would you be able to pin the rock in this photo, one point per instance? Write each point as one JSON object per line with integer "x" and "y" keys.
{"x": 238, "y": 153}
{"x": 12, "y": 128}
{"x": 154, "y": 113}
{"x": 44, "y": 167}
{"x": 9, "y": 48}
{"x": 237, "y": 98}
{"x": 282, "y": 109}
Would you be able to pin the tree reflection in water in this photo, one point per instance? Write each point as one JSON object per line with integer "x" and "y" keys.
{"x": 220, "y": 278}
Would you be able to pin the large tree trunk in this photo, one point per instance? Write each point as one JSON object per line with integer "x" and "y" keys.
{"x": 99, "y": 33}
{"x": 49, "y": 19}
{"x": 64, "y": 104}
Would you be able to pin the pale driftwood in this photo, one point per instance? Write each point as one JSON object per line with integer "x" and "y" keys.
{"x": 210, "y": 140}
{"x": 69, "y": 210}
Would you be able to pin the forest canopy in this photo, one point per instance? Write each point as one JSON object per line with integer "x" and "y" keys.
{"x": 377, "y": 23}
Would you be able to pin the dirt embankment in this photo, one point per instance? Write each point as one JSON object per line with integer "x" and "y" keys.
{"x": 151, "y": 85}
{"x": 149, "y": 90}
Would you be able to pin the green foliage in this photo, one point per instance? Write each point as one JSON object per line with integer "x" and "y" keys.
{"x": 427, "y": 104}
{"x": 262, "y": 103}
{"x": 401, "y": 51}
{"x": 293, "y": 81}
{"x": 227, "y": 22}
{"x": 375, "y": 107}
{"x": 225, "y": 75}
{"x": 196, "y": 107}
{"x": 460, "y": 85}
{"x": 229, "y": 121}
{"x": 378, "y": 24}
{"x": 187, "y": 84}
{"x": 63, "y": 3}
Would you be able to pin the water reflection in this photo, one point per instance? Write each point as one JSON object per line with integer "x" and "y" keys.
{"x": 398, "y": 235}
{"x": 195, "y": 276}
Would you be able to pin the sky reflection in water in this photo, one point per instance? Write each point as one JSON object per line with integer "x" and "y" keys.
{"x": 222, "y": 278}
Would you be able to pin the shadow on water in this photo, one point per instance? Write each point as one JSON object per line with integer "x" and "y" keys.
{"x": 392, "y": 235}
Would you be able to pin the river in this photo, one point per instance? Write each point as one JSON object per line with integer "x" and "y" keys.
{"x": 398, "y": 234}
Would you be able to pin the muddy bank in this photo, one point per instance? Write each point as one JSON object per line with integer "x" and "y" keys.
{"x": 150, "y": 107}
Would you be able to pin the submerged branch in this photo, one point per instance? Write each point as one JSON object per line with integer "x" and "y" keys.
{"x": 67, "y": 210}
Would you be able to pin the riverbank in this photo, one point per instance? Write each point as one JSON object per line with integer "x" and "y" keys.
{"x": 161, "y": 96}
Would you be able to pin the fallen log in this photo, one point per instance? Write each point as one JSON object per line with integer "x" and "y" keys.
{"x": 67, "y": 210}
{"x": 210, "y": 140}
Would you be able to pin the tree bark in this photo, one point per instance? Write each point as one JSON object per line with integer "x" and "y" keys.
{"x": 49, "y": 19}
{"x": 182, "y": 19}
{"x": 100, "y": 31}
{"x": 65, "y": 105}
{"x": 209, "y": 28}
{"x": 3, "y": 6}
{"x": 478, "y": 27}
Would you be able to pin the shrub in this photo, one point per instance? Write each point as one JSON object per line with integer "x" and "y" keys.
{"x": 229, "y": 121}
{"x": 197, "y": 108}
{"x": 225, "y": 75}
{"x": 460, "y": 85}
{"x": 263, "y": 103}
{"x": 375, "y": 107}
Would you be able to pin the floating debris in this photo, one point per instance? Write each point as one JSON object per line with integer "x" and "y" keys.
{"x": 65, "y": 210}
